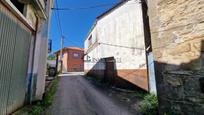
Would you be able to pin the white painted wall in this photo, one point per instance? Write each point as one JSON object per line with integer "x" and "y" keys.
{"x": 120, "y": 34}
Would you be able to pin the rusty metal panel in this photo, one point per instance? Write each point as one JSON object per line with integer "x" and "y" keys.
{"x": 14, "y": 51}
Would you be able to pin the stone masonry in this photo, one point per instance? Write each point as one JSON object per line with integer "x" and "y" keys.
{"x": 177, "y": 34}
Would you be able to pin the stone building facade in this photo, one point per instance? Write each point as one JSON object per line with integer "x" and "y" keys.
{"x": 177, "y": 34}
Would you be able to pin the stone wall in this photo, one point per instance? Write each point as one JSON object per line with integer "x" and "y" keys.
{"x": 177, "y": 34}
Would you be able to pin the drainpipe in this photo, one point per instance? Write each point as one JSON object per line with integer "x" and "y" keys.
{"x": 147, "y": 36}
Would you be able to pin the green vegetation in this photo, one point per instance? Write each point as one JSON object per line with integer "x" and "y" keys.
{"x": 149, "y": 105}
{"x": 146, "y": 104}
{"x": 40, "y": 107}
{"x": 36, "y": 110}
{"x": 51, "y": 57}
{"x": 49, "y": 95}
{"x": 139, "y": 94}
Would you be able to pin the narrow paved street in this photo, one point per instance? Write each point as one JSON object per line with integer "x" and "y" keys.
{"x": 77, "y": 96}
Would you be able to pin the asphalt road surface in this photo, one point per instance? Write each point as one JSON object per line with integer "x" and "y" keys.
{"x": 77, "y": 96}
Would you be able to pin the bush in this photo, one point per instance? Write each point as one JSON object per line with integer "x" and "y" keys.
{"x": 37, "y": 110}
{"x": 149, "y": 105}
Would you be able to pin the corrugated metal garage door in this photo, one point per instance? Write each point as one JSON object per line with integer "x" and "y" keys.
{"x": 14, "y": 51}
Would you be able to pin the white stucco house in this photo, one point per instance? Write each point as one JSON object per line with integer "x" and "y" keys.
{"x": 116, "y": 46}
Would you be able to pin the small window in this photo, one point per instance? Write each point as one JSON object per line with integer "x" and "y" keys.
{"x": 76, "y": 55}
{"x": 90, "y": 41}
{"x": 20, "y": 6}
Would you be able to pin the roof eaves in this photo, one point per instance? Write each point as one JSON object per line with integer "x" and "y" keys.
{"x": 111, "y": 9}
{"x": 103, "y": 14}
{"x": 92, "y": 27}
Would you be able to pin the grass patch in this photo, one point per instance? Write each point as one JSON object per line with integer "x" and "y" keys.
{"x": 40, "y": 107}
{"x": 36, "y": 110}
{"x": 137, "y": 99}
{"x": 149, "y": 105}
{"x": 49, "y": 95}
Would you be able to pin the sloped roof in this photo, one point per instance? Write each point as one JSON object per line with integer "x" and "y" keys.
{"x": 111, "y": 9}
{"x": 71, "y": 48}
{"x": 105, "y": 13}
{"x": 75, "y": 48}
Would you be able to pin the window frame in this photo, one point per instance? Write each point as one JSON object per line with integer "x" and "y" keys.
{"x": 74, "y": 57}
{"x": 90, "y": 40}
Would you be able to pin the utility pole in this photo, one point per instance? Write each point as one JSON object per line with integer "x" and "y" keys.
{"x": 61, "y": 53}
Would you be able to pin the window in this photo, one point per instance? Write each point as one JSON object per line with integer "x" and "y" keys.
{"x": 76, "y": 55}
{"x": 90, "y": 41}
{"x": 18, "y": 5}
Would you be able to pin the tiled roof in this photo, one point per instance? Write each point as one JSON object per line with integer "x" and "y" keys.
{"x": 72, "y": 48}
{"x": 75, "y": 48}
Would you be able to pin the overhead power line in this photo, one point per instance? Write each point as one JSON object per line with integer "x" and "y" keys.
{"x": 58, "y": 19}
{"x": 57, "y": 23}
{"x": 89, "y": 7}
{"x": 84, "y": 8}
{"x": 76, "y": 41}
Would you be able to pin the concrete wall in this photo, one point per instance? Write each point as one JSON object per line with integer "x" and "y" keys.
{"x": 41, "y": 50}
{"x": 120, "y": 34}
{"x": 177, "y": 30}
{"x": 64, "y": 60}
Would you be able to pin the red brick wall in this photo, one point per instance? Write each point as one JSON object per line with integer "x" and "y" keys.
{"x": 75, "y": 64}
{"x": 137, "y": 77}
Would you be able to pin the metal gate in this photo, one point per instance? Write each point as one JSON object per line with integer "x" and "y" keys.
{"x": 14, "y": 51}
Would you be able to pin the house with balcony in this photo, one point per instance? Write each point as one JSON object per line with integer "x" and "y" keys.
{"x": 24, "y": 28}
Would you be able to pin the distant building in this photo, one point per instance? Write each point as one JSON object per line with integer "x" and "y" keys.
{"x": 24, "y": 29}
{"x": 72, "y": 59}
{"x": 117, "y": 45}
